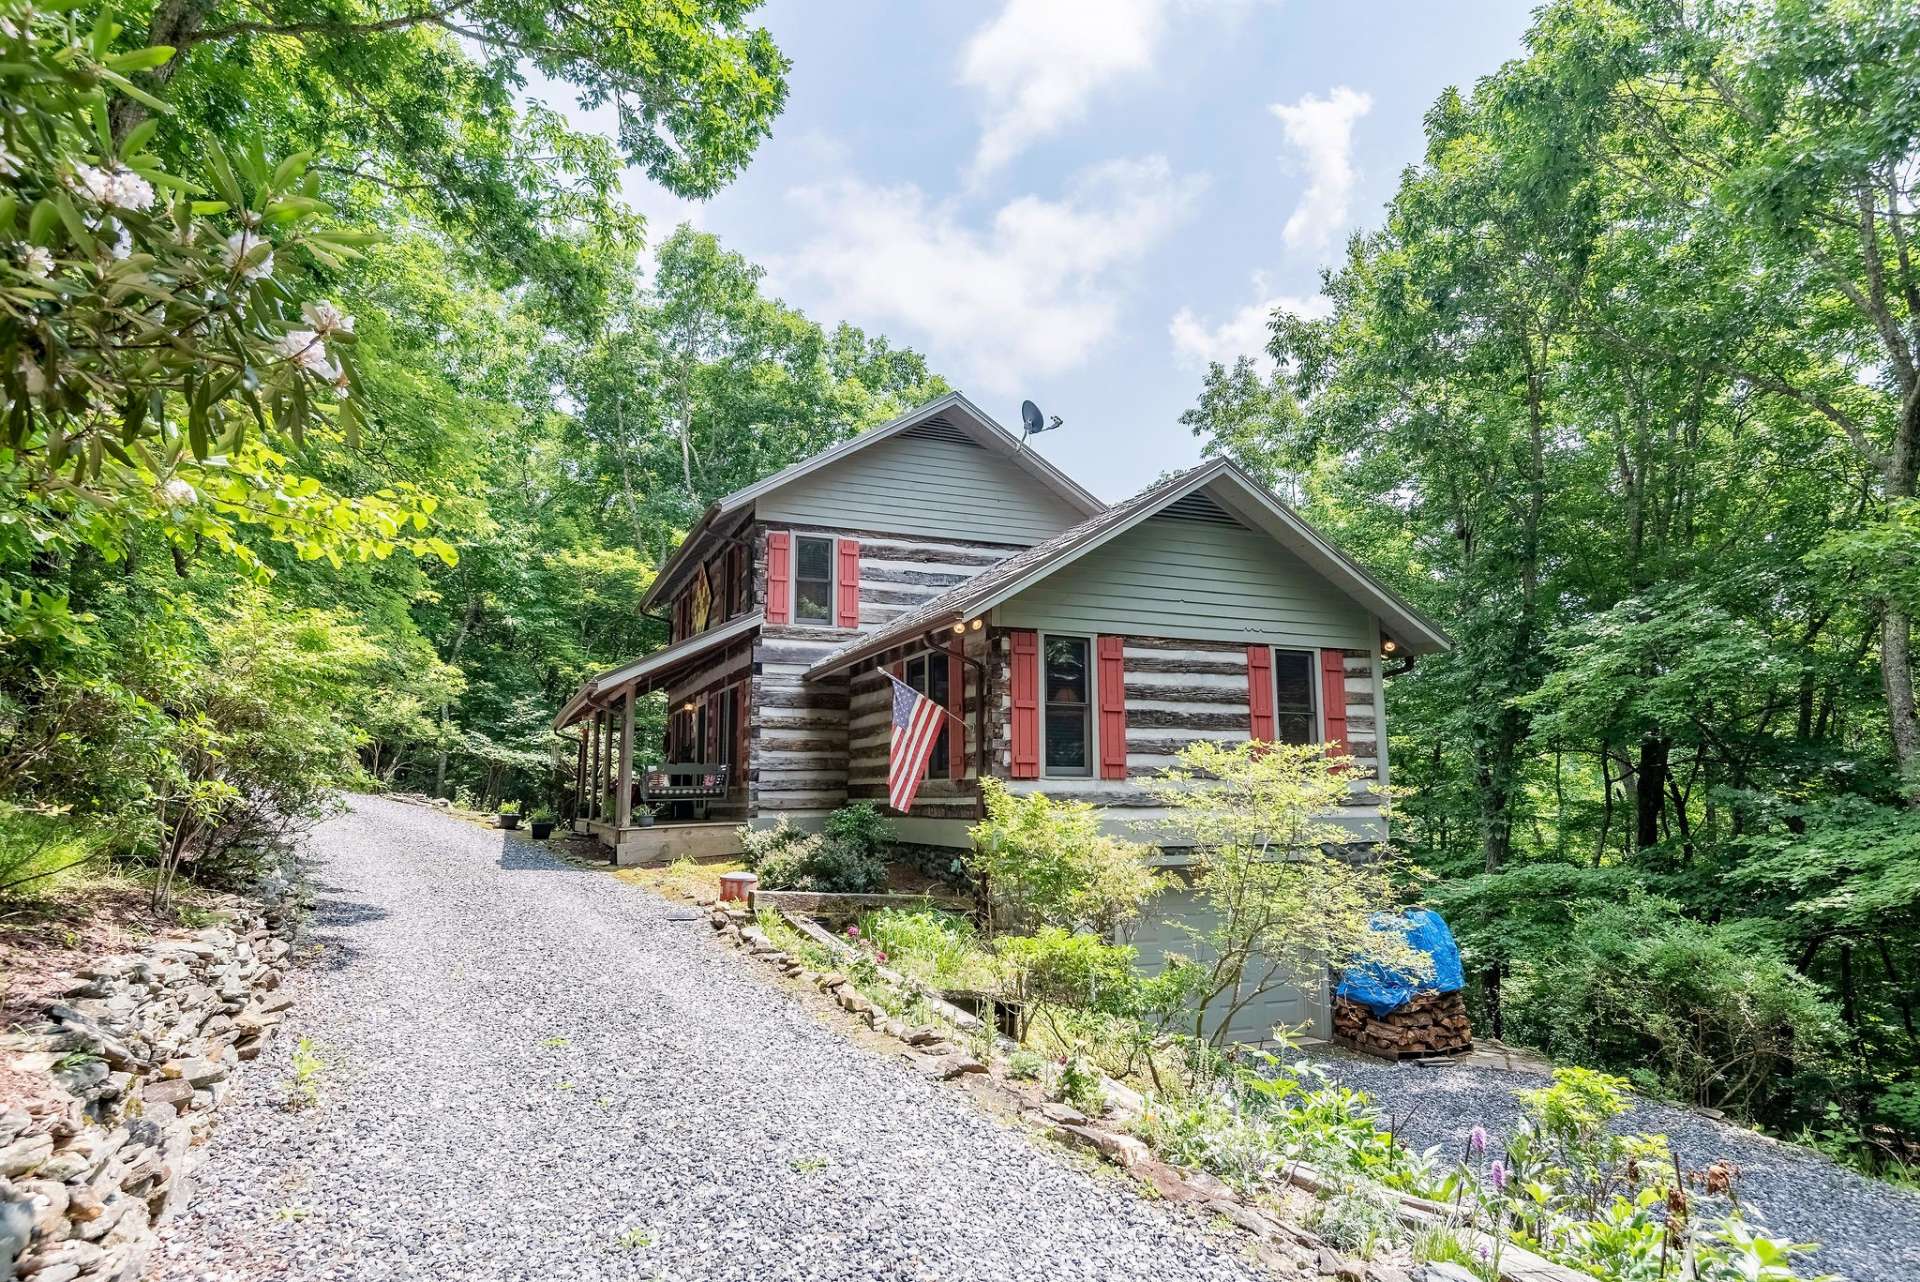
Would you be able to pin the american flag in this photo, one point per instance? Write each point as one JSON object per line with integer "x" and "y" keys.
{"x": 917, "y": 724}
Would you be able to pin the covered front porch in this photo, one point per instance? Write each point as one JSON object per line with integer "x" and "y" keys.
{"x": 685, "y": 798}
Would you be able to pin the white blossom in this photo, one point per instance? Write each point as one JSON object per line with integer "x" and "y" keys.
{"x": 9, "y": 164}
{"x": 326, "y": 318}
{"x": 239, "y": 245}
{"x": 34, "y": 377}
{"x": 177, "y": 493}
{"x": 307, "y": 350}
{"x": 123, "y": 244}
{"x": 37, "y": 262}
{"x": 131, "y": 191}
{"x": 119, "y": 187}
{"x": 22, "y": 29}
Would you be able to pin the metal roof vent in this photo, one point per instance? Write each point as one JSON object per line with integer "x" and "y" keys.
{"x": 939, "y": 428}
{"x": 1198, "y": 507}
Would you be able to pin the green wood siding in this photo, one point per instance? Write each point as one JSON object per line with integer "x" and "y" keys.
{"x": 926, "y": 487}
{"x": 1178, "y": 578}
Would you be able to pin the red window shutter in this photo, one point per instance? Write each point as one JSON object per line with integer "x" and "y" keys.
{"x": 1112, "y": 681}
{"x": 847, "y": 601}
{"x": 1333, "y": 697}
{"x": 779, "y": 577}
{"x": 1026, "y": 703}
{"x": 957, "y": 705}
{"x": 1260, "y": 691}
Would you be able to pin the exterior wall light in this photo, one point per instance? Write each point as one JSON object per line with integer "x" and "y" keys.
{"x": 978, "y": 624}
{"x": 1389, "y": 646}
{"x": 959, "y": 629}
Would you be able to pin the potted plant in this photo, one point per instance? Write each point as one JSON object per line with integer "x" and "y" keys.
{"x": 510, "y": 815}
{"x": 542, "y": 821}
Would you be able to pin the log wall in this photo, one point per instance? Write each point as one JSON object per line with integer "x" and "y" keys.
{"x": 812, "y": 744}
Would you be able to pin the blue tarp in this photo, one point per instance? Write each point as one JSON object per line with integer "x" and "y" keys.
{"x": 1383, "y": 990}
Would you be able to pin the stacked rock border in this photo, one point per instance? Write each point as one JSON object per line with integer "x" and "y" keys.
{"x": 943, "y": 1054}
{"x": 140, "y": 1055}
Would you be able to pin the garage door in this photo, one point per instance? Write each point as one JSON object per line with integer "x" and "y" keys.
{"x": 1164, "y": 929}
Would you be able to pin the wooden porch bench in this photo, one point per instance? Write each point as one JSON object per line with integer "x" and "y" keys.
{"x": 691, "y": 781}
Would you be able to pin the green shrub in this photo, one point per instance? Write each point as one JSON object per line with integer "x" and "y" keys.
{"x": 1357, "y": 1220}
{"x": 42, "y": 853}
{"x": 844, "y": 859}
{"x": 1048, "y": 864}
{"x": 941, "y": 949}
{"x": 1709, "y": 1013}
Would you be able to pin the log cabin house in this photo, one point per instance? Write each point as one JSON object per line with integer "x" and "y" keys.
{"x": 1079, "y": 646}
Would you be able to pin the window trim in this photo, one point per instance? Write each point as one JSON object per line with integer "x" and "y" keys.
{"x": 1315, "y": 712}
{"x": 1091, "y": 771}
{"x": 793, "y": 579}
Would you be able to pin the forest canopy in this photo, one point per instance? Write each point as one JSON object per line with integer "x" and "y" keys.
{"x": 1624, "y": 389}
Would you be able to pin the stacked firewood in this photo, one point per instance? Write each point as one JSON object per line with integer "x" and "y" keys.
{"x": 1429, "y": 1024}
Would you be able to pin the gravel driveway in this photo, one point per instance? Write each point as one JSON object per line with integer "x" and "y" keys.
{"x": 533, "y": 1072}
{"x": 1870, "y": 1229}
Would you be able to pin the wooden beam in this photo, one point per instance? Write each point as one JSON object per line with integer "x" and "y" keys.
{"x": 623, "y": 801}
{"x": 593, "y": 769}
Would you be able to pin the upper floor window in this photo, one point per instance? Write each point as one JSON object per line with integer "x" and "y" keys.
{"x": 929, "y": 674}
{"x": 1293, "y": 719}
{"x": 812, "y": 580}
{"x": 1066, "y": 681}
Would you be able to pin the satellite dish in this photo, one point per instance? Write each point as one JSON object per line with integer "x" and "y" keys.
{"x": 1033, "y": 422}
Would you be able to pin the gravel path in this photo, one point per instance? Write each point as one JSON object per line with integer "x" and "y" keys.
{"x": 1870, "y": 1229}
{"x": 534, "y": 1073}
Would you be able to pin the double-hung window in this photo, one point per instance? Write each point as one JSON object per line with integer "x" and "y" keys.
{"x": 1293, "y": 709}
{"x": 929, "y": 675}
{"x": 812, "y": 579}
{"x": 1066, "y": 685}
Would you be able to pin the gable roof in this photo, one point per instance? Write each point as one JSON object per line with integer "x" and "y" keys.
{"x": 1237, "y": 494}
{"x": 952, "y": 411}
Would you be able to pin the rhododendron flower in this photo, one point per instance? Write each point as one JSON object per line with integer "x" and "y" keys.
{"x": 9, "y": 164}
{"x": 37, "y": 262}
{"x": 239, "y": 246}
{"x": 177, "y": 493}
{"x": 326, "y": 318}
{"x": 34, "y": 377}
{"x": 119, "y": 187}
{"x": 304, "y": 348}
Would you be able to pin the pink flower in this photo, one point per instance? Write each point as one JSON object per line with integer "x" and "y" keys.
{"x": 879, "y": 956}
{"x": 1477, "y": 1141}
{"x": 853, "y": 932}
{"x": 1497, "y": 1174}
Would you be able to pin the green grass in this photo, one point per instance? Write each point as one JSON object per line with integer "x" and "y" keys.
{"x": 940, "y": 949}
{"x": 45, "y": 855}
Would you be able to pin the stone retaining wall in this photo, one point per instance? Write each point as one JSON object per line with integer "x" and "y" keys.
{"x": 138, "y": 1057}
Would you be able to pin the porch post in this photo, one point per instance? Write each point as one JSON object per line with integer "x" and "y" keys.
{"x": 593, "y": 770}
{"x": 623, "y": 804}
{"x": 579, "y": 775}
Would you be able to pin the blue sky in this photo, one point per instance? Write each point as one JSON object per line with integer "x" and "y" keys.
{"x": 1082, "y": 201}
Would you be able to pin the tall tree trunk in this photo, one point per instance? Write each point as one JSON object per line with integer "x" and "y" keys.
{"x": 453, "y": 658}
{"x": 1649, "y": 792}
{"x": 174, "y": 24}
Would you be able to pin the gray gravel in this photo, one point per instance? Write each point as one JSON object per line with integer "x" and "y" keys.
{"x": 534, "y": 1074}
{"x": 1870, "y": 1229}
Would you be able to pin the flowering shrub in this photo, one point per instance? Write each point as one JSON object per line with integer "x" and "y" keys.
{"x": 156, "y": 362}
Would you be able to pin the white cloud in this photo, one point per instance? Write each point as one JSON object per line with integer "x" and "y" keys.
{"x": 1321, "y": 130}
{"x": 1196, "y": 344}
{"x": 1034, "y": 292}
{"x": 1039, "y": 62}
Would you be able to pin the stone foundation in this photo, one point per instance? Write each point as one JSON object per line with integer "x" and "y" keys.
{"x": 136, "y": 1058}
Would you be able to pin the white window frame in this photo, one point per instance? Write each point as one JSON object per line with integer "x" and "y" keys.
{"x": 793, "y": 579}
{"x": 1092, "y": 772}
{"x": 1314, "y": 693}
